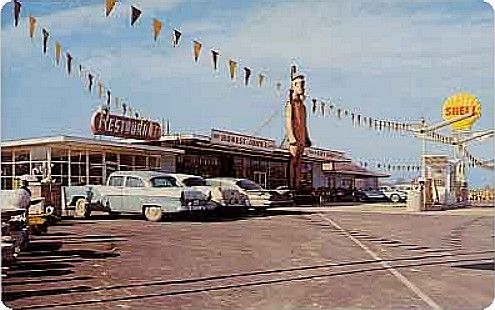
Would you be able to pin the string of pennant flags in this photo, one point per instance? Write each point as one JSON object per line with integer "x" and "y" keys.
{"x": 474, "y": 161}
{"x": 319, "y": 107}
{"x": 328, "y": 108}
{"x": 92, "y": 81}
{"x": 390, "y": 166}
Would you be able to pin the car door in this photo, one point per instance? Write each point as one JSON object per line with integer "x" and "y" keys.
{"x": 132, "y": 194}
{"x": 114, "y": 192}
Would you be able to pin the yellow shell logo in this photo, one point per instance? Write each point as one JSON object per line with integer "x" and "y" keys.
{"x": 461, "y": 104}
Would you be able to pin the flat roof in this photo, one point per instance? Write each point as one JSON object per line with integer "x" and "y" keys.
{"x": 86, "y": 141}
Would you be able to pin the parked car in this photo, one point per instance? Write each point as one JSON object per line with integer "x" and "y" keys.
{"x": 149, "y": 193}
{"x": 370, "y": 196}
{"x": 395, "y": 195}
{"x": 258, "y": 196}
{"x": 224, "y": 196}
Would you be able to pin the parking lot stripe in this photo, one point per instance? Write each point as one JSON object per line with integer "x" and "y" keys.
{"x": 386, "y": 265}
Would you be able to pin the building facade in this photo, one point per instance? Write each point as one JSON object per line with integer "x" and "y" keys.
{"x": 79, "y": 161}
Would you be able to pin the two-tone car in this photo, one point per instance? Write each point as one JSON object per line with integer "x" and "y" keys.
{"x": 149, "y": 193}
{"x": 225, "y": 196}
{"x": 259, "y": 198}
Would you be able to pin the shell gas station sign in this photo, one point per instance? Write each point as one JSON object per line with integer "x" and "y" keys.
{"x": 461, "y": 104}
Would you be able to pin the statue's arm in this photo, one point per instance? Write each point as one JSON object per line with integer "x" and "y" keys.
{"x": 288, "y": 124}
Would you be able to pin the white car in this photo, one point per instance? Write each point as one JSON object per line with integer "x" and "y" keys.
{"x": 149, "y": 193}
{"x": 395, "y": 195}
{"x": 220, "y": 196}
{"x": 259, "y": 197}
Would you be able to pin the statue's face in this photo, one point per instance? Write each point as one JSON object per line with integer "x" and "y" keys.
{"x": 298, "y": 86}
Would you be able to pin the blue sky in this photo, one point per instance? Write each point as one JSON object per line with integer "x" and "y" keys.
{"x": 382, "y": 58}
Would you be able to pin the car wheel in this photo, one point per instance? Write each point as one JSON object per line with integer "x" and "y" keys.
{"x": 395, "y": 198}
{"x": 153, "y": 213}
{"x": 82, "y": 210}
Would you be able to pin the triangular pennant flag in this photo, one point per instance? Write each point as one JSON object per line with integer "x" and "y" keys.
{"x": 322, "y": 107}
{"x": 176, "y": 37}
{"x": 135, "y": 13}
{"x": 314, "y": 105}
{"x": 247, "y": 75}
{"x": 109, "y": 97}
{"x": 32, "y": 26}
{"x": 278, "y": 87}
{"x": 17, "y": 12}
{"x": 100, "y": 89}
{"x": 109, "y": 4}
{"x": 232, "y": 68}
{"x": 69, "y": 63}
{"x": 90, "y": 79}
{"x": 157, "y": 28}
{"x": 261, "y": 79}
{"x": 214, "y": 58}
{"x": 196, "y": 50}
{"x": 45, "y": 39}
{"x": 58, "y": 52}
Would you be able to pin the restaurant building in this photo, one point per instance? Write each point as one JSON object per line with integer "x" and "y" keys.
{"x": 79, "y": 161}
{"x": 230, "y": 154}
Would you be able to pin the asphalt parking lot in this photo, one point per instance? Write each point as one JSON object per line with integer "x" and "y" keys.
{"x": 304, "y": 258}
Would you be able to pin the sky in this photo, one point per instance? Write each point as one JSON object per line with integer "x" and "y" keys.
{"x": 388, "y": 59}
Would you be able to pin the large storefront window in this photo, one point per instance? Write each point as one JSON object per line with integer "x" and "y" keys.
{"x": 60, "y": 166}
{"x": 277, "y": 174}
{"x": 140, "y": 163}
{"x": 203, "y": 165}
{"x": 78, "y": 167}
{"x": 96, "y": 168}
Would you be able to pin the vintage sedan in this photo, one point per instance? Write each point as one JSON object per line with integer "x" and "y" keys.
{"x": 225, "y": 197}
{"x": 149, "y": 193}
{"x": 259, "y": 197}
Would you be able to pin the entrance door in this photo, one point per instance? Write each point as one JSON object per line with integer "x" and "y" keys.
{"x": 260, "y": 178}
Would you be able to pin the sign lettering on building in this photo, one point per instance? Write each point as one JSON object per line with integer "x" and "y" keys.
{"x": 107, "y": 124}
{"x": 236, "y": 139}
{"x": 325, "y": 154}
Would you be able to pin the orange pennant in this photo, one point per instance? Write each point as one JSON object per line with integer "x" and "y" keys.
{"x": 196, "y": 49}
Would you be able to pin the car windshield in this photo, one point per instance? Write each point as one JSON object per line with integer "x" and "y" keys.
{"x": 163, "y": 182}
{"x": 248, "y": 185}
{"x": 196, "y": 181}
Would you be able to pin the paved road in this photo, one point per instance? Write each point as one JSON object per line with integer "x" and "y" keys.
{"x": 310, "y": 258}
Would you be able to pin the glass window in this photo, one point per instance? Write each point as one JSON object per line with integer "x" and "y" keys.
{"x": 134, "y": 182}
{"x": 248, "y": 185}
{"x": 163, "y": 182}
{"x": 195, "y": 181}
{"x": 116, "y": 181}
{"x": 6, "y": 156}
{"x": 22, "y": 155}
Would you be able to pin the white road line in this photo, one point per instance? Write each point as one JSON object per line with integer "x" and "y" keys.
{"x": 386, "y": 265}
